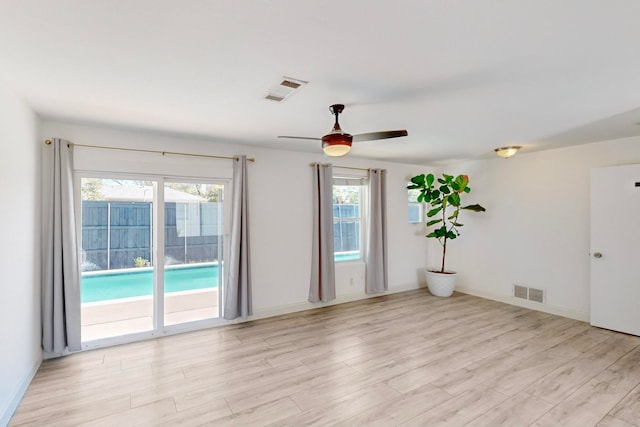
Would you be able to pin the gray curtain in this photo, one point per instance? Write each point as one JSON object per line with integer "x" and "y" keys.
{"x": 60, "y": 272}
{"x": 237, "y": 300}
{"x": 322, "y": 286}
{"x": 376, "y": 255}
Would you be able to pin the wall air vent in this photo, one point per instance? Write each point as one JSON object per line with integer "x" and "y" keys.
{"x": 531, "y": 294}
{"x": 536, "y": 295}
{"x": 284, "y": 89}
{"x": 520, "y": 291}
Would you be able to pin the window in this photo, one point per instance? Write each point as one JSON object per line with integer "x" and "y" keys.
{"x": 348, "y": 218}
{"x": 415, "y": 210}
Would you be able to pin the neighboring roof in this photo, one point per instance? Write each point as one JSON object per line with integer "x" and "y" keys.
{"x": 137, "y": 193}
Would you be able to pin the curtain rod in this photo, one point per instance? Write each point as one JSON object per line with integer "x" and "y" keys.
{"x": 139, "y": 150}
{"x": 347, "y": 167}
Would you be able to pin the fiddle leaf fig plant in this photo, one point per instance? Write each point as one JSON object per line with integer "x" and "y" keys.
{"x": 443, "y": 197}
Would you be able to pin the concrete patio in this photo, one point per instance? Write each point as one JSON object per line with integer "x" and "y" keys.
{"x": 116, "y": 317}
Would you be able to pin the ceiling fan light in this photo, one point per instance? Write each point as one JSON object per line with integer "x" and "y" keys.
{"x": 506, "y": 152}
{"x": 336, "y": 144}
{"x": 336, "y": 150}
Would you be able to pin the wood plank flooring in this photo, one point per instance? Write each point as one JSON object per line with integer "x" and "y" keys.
{"x": 407, "y": 359}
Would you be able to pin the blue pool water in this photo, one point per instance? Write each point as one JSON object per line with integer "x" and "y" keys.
{"x": 115, "y": 284}
{"x": 346, "y": 256}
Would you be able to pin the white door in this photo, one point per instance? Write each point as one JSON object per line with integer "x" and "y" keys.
{"x": 615, "y": 248}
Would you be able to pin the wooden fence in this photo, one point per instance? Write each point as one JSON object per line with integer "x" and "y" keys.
{"x": 114, "y": 234}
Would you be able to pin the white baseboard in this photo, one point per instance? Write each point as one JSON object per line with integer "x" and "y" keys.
{"x": 302, "y": 306}
{"x": 9, "y": 410}
{"x": 546, "y": 308}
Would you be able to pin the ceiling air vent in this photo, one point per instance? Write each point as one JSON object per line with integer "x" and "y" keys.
{"x": 287, "y": 87}
{"x": 272, "y": 97}
{"x": 290, "y": 83}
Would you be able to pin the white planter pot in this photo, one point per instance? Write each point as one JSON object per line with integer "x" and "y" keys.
{"x": 441, "y": 284}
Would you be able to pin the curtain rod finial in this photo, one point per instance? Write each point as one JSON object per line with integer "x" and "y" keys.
{"x": 47, "y": 141}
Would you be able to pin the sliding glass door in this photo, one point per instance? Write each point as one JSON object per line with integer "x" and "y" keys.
{"x": 117, "y": 266}
{"x": 193, "y": 251}
{"x": 152, "y": 256}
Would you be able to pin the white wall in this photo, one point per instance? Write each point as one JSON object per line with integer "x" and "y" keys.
{"x": 280, "y": 243}
{"x": 20, "y": 180}
{"x": 536, "y": 229}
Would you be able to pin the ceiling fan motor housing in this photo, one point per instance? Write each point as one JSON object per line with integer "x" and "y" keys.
{"x": 336, "y": 143}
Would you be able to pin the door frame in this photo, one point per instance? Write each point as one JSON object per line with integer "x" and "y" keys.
{"x": 158, "y": 327}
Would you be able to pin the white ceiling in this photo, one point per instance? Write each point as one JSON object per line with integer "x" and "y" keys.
{"x": 463, "y": 77}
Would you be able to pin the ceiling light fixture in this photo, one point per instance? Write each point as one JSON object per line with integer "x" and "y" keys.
{"x": 336, "y": 144}
{"x": 506, "y": 152}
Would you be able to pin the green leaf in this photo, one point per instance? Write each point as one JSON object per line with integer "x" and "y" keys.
{"x": 430, "y": 179}
{"x": 451, "y": 235}
{"x": 457, "y": 224}
{"x": 445, "y": 189}
{"x": 467, "y": 190}
{"x": 432, "y": 234}
{"x": 442, "y": 181}
{"x": 420, "y": 198}
{"x": 454, "y": 199}
{"x": 441, "y": 232}
{"x": 454, "y": 215}
{"x": 418, "y": 180}
{"x": 433, "y": 212}
{"x": 475, "y": 208}
{"x": 413, "y": 187}
{"x": 427, "y": 195}
{"x": 435, "y": 194}
{"x": 433, "y": 221}
{"x": 462, "y": 181}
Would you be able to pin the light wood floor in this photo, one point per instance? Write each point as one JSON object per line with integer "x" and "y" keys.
{"x": 407, "y": 359}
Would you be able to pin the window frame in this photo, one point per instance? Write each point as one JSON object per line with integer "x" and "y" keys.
{"x": 363, "y": 186}
{"x": 410, "y": 203}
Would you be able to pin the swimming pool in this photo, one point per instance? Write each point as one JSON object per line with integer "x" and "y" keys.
{"x": 117, "y": 284}
{"x": 137, "y": 282}
{"x": 346, "y": 256}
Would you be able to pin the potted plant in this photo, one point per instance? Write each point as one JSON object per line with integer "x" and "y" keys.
{"x": 443, "y": 197}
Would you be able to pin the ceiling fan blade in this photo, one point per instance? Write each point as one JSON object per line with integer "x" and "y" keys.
{"x": 299, "y": 137}
{"x": 379, "y": 135}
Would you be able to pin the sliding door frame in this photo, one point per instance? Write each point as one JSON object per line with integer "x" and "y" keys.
{"x": 157, "y": 250}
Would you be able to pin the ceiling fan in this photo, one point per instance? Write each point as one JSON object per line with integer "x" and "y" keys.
{"x": 338, "y": 143}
